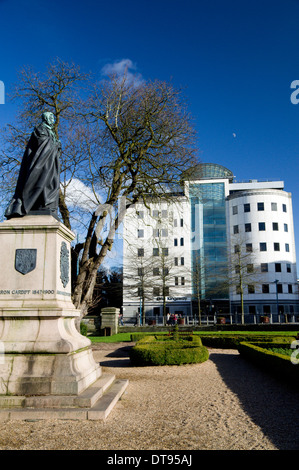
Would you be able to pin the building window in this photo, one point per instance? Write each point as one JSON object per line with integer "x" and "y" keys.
{"x": 279, "y": 288}
{"x": 236, "y": 229}
{"x": 237, "y": 248}
{"x": 247, "y": 227}
{"x": 164, "y": 214}
{"x": 165, "y": 271}
{"x": 156, "y": 291}
{"x": 251, "y": 289}
{"x": 164, "y": 232}
{"x": 166, "y": 290}
{"x": 156, "y": 271}
{"x": 176, "y": 281}
{"x": 155, "y": 214}
{"x": 284, "y": 207}
{"x": 235, "y": 210}
{"x": 275, "y": 226}
{"x": 252, "y": 309}
{"x": 182, "y": 222}
{"x": 265, "y": 288}
{"x": 287, "y": 247}
{"x": 140, "y": 291}
{"x": 182, "y": 281}
{"x": 266, "y": 309}
{"x": 182, "y": 242}
{"x": 140, "y": 272}
{"x": 140, "y": 214}
{"x": 164, "y": 251}
{"x": 264, "y": 267}
{"x": 175, "y": 242}
{"x": 278, "y": 267}
{"x": 176, "y": 261}
{"x": 140, "y": 252}
{"x": 175, "y": 223}
{"x": 155, "y": 251}
{"x": 156, "y": 311}
{"x": 276, "y": 247}
{"x": 246, "y": 207}
{"x": 262, "y": 226}
{"x": 273, "y": 206}
{"x": 260, "y": 206}
{"x": 250, "y": 268}
{"x": 285, "y": 226}
{"x": 289, "y": 268}
{"x": 290, "y": 288}
{"x": 263, "y": 246}
{"x": 249, "y": 247}
{"x": 155, "y": 232}
{"x": 182, "y": 260}
{"x": 140, "y": 233}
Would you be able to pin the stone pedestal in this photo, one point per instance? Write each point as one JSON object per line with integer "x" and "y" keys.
{"x": 44, "y": 354}
{"x": 109, "y": 319}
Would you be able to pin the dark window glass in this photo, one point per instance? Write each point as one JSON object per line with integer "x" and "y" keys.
{"x": 264, "y": 267}
{"x": 278, "y": 267}
{"x": 262, "y": 226}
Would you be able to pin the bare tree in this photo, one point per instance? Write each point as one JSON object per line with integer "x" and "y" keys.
{"x": 197, "y": 275}
{"x": 244, "y": 271}
{"x": 163, "y": 271}
{"x": 121, "y": 139}
{"x": 139, "y": 277}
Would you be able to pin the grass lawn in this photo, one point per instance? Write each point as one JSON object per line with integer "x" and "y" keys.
{"x": 120, "y": 337}
{"x": 123, "y": 337}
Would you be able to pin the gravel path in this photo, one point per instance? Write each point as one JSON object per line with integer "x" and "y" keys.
{"x": 223, "y": 404}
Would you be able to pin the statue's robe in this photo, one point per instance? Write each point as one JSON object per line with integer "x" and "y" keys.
{"x": 37, "y": 189}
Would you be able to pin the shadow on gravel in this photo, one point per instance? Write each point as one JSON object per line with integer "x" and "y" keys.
{"x": 121, "y": 355}
{"x": 271, "y": 404}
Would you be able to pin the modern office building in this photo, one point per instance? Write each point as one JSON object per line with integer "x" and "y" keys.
{"x": 216, "y": 246}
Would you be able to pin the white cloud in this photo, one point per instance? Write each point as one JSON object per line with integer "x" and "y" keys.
{"x": 122, "y": 67}
{"x": 79, "y": 195}
{"x": 119, "y": 67}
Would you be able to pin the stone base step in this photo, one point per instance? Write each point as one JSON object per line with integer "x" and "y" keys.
{"x": 95, "y": 403}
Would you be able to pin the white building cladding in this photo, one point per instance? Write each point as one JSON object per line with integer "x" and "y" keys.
{"x": 261, "y": 218}
{"x": 157, "y": 258}
{"x": 189, "y": 245}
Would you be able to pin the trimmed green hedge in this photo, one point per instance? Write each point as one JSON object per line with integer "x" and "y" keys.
{"x": 232, "y": 341}
{"x": 279, "y": 365}
{"x": 150, "y": 351}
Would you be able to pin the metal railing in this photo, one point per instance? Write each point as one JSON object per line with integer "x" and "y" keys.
{"x": 209, "y": 320}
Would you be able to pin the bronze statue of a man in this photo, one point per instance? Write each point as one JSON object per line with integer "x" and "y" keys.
{"x": 37, "y": 190}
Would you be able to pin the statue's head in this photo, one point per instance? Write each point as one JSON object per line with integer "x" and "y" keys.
{"x": 48, "y": 118}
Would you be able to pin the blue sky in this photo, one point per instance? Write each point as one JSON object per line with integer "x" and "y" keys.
{"x": 235, "y": 59}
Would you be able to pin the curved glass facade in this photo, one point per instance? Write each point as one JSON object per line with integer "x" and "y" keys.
{"x": 210, "y": 171}
{"x": 208, "y": 239}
